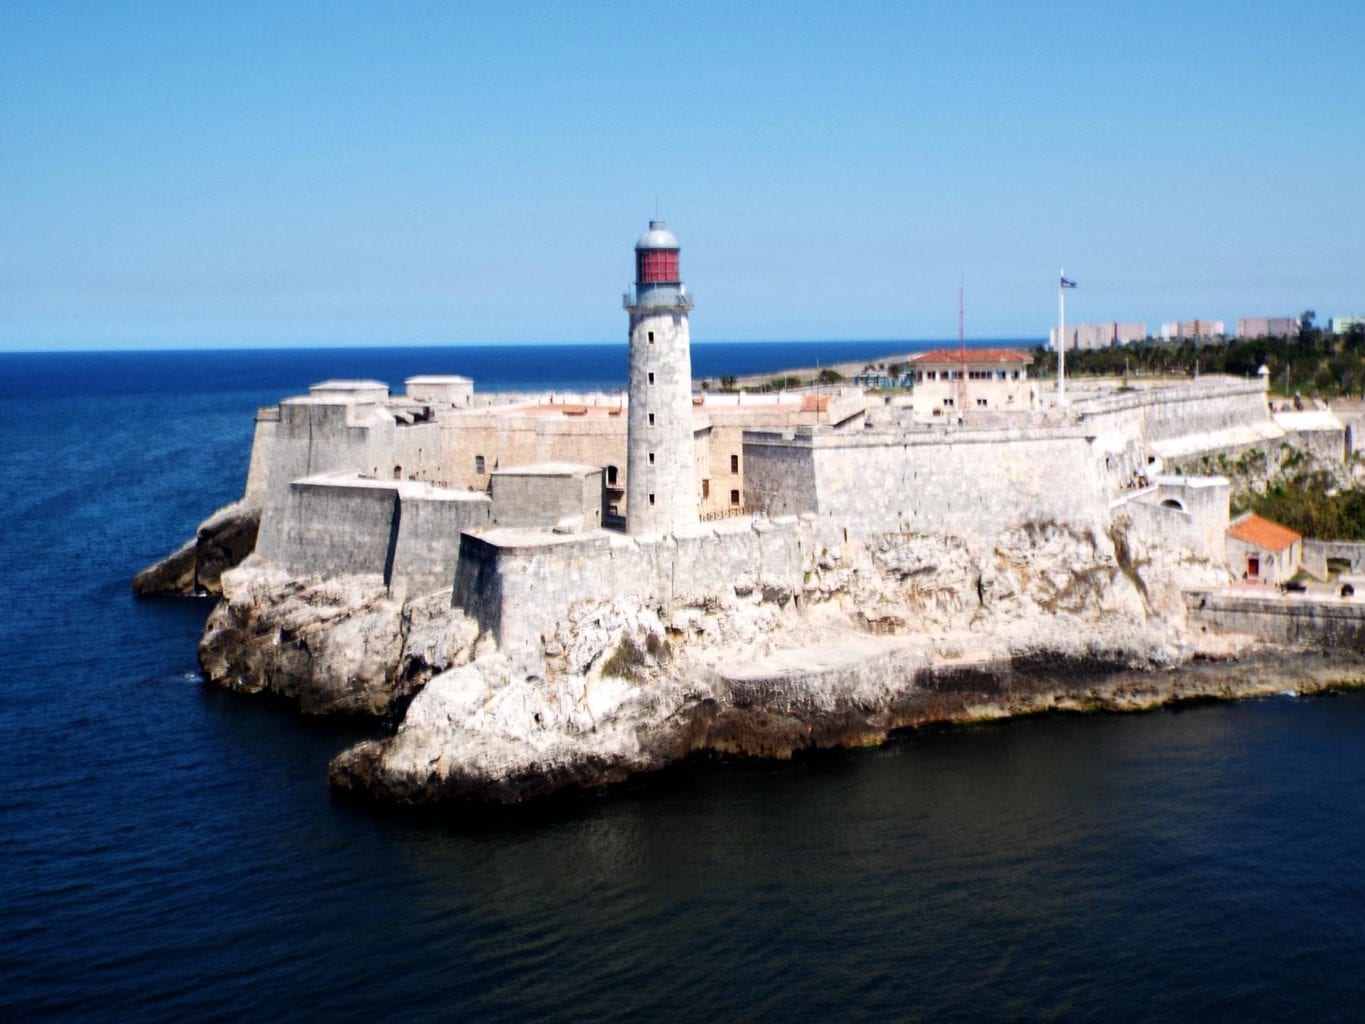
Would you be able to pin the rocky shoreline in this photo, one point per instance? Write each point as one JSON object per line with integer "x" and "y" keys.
{"x": 876, "y": 644}
{"x": 384, "y": 770}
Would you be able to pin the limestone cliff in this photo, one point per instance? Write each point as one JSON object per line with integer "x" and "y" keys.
{"x": 333, "y": 645}
{"x": 196, "y": 567}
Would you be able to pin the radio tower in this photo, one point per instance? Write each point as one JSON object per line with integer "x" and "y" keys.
{"x": 962, "y": 362}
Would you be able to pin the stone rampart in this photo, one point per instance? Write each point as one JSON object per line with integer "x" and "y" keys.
{"x": 961, "y": 482}
{"x": 1291, "y": 619}
{"x": 518, "y": 584}
{"x": 1207, "y": 406}
{"x": 1317, "y": 553}
{"x": 407, "y": 533}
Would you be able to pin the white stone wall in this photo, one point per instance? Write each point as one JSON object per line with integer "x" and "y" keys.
{"x": 407, "y": 534}
{"x": 541, "y": 500}
{"x": 661, "y": 480}
{"x": 517, "y": 585}
{"x": 969, "y": 483}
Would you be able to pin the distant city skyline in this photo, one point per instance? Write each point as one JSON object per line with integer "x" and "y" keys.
{"x": 339, "y": 174}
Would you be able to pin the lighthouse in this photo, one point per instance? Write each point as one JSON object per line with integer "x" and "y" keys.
{"x": 661, "y": 487}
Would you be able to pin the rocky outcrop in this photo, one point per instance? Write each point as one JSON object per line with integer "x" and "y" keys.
{"x": 221, "y": 542}
{"x": 899, "y": 632}
{"x": 335, "y": 645}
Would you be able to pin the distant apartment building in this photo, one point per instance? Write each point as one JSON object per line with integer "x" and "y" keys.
{"x": 1342, "y": 324}
{"x": 1268, "y": 327}
{"x": 1192, "y": 330}
{"x": 1085, "y": 336}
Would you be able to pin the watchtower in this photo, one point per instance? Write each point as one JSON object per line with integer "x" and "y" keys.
{"x": 661, "y": 486}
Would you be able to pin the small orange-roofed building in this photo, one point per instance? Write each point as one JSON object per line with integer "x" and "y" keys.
{"x": 1260, "y": 549}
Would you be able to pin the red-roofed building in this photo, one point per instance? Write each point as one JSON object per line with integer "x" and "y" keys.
{"x": 1260, "y": 549}
{"x": 988, "y": 378}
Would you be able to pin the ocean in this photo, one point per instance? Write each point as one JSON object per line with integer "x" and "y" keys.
{"x": 170, "y": 852}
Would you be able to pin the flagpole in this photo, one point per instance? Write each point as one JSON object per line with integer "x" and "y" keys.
{"x": 1061, "y": 338}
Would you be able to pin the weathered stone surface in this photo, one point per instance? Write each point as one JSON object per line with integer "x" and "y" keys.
{"x": 339, "y": 645}
{"x": 221, "y": 542}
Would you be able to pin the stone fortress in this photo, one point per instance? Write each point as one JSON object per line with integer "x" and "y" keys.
{"x": 609, "y": 580}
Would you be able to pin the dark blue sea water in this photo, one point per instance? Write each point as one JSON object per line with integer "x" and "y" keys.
{"x": 171, "y": 853}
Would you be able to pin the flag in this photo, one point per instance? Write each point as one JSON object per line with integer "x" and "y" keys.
{"x": 1068, "y": 283}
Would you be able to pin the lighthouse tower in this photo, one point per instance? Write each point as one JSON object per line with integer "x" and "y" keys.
{"x": 661, "y": 486}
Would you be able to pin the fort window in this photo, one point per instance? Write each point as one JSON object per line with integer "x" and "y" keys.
{"x": 651, "y": 337}
{"x": 651, "y": 499}
{"x": 611, "y": 476}
{"x": 734, "y": 498}
{"x": 651, "y": 419}
{"x": 706, "y": 488}
{"x": 734, "y": 463}
{"x": 651, "y": 458}
{"x": 478, "y": 464}
{"x": 948, "y": 402}
{"x": 981, "y": 403}
{"x": 651, "y": 376}
{"x": 1172, "y": 503}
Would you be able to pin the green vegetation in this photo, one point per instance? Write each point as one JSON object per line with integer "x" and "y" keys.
{"x": 783, "y": 384}
{"x": 1310, "y": 503}
{"x": 1315, "y": 362}
{"x": 828, "y": 376}
{"x": 630, "y": 659}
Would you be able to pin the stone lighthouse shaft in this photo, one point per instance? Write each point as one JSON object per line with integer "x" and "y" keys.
{"x": 661, "y": 486}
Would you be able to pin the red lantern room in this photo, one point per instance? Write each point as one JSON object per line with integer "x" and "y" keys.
{"x": 656, "y": 256}
{"x": 658, "y": 279}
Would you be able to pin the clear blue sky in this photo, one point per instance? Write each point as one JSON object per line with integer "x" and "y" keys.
{"x": 188, "y": 174}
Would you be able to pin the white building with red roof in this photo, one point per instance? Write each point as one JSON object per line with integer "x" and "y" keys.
{"x": 949, "y": 381}
{"x": 1261, "y": 549}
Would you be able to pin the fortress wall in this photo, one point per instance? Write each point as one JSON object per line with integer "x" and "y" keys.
{"x": 519, "y": 439}
{"x": 518, "y": 585}
{"x": 429, "y": 538}
{"x": 1324, "y": 624}
{"x": 779, "y": 476}
{"x": 314, "y": 437}
{"x": 522, "y": 500}
{"x": 262, "y": 452}
{"x": 373, "y": 527}
{"x": 1317, "y": 552}
{"x": 1208, "y": 406}
{"x": 1323, "y": 445}
{"x": 964, "y": 483}
{"x": 329, "y": 529}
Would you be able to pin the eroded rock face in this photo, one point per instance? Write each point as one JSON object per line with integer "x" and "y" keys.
{"x": 895, "y": 633}
{"x": 220, "y": 543}
{"x": 337, "y": 645}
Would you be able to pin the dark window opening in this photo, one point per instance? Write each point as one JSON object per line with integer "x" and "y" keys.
{"x": 651, "y": 499}
{"x": 478, "y": 464}
{"x": 651, "y": 458}
{"x": 706, "y": 488}
{"x": 611, "y": 476}
{"x": 651, "y": 337}
{"x": 734, "y": 463}
{"x": 734, "y": 498}
{"x": 651, "y": 376}
{"x": 398, "y": 472}
{"x": 651, "y": 419}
